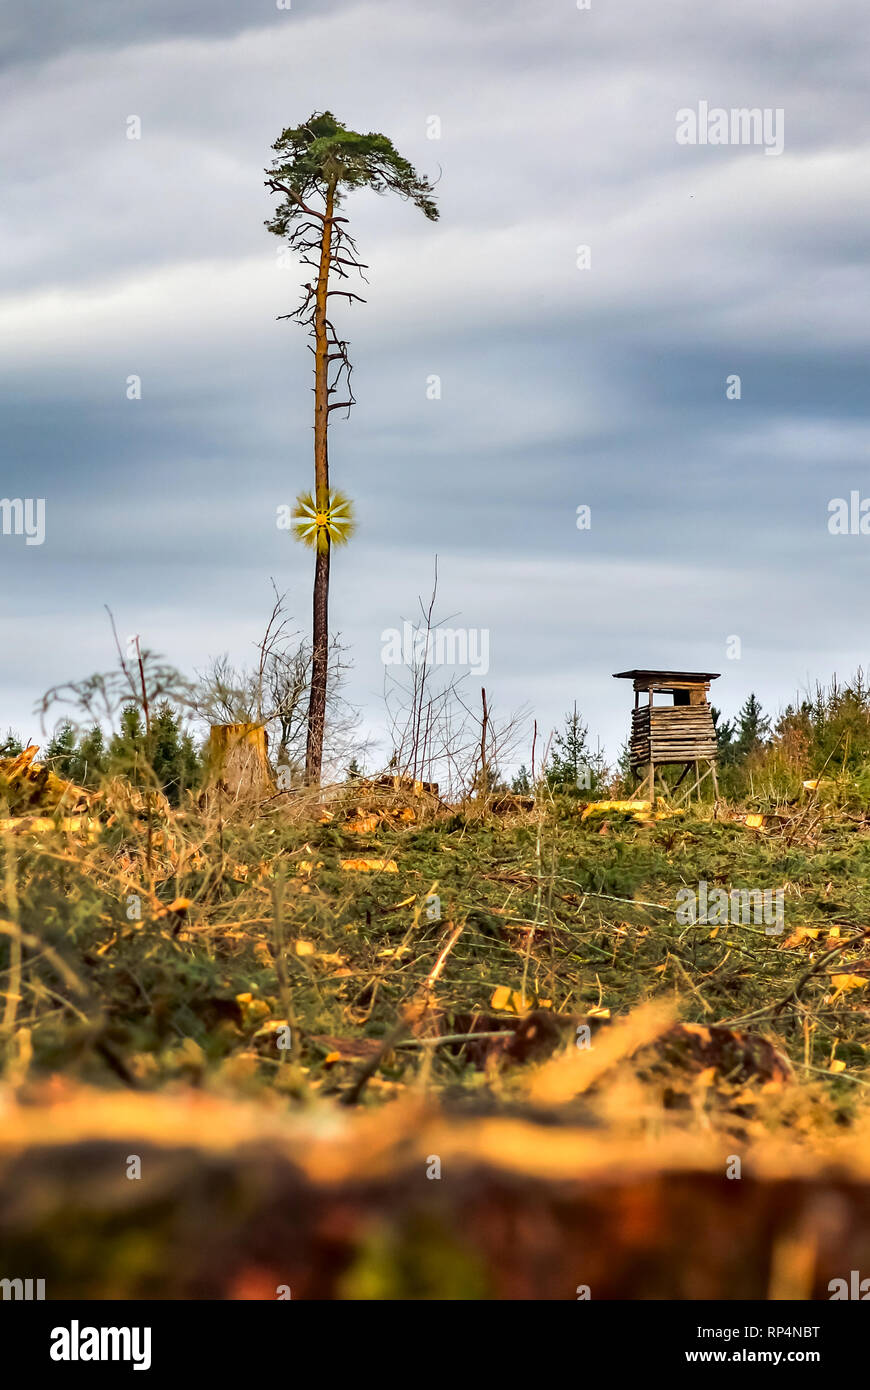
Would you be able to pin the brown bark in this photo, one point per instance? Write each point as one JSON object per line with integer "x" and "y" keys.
{"x": 320, "y": 623}
{"x": 319, "y": 664}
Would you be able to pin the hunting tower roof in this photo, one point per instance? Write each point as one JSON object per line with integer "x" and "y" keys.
{"x": 644, "y": 679}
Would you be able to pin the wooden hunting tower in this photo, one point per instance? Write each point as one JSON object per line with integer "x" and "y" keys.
{"x": 679, "y": 731}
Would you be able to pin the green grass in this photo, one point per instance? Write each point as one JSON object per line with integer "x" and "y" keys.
{"x": 585, "y": 913}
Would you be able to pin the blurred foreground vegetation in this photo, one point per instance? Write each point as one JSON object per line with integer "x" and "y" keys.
{"x": 369, "y": 955}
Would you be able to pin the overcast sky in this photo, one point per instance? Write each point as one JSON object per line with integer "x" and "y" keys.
{"x": 560, "y": 386}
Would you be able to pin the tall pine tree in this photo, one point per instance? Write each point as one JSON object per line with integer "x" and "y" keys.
{"x": 317, "y": 164}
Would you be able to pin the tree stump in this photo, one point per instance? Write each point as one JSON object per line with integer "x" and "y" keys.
{"x": 237, "y": 761}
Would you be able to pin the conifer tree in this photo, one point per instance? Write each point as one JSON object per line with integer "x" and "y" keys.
{"x": 316, "y": 165}
{"x": 11, "y": 745}
{"x": 60, "y": 751}
{"x": 753, "y": 729}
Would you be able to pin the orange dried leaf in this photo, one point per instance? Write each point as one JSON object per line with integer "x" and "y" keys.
{"x": 507, "y": 1000}
{"x": 843, "y": 983}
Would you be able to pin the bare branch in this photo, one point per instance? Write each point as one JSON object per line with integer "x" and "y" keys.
{"x": 278, "y": 187}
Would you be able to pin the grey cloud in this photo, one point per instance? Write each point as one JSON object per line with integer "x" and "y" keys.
{"x": 559, "y": 387}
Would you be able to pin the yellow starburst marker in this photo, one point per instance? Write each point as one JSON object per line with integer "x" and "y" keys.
{"x": 318, "y": 528}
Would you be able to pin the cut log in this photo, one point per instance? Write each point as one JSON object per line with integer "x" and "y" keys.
{"x": 404, "y": 784}
{"x": 253, "y": 1199}
{"x": 237, "y": 761}
{"x": 28, "y": 787}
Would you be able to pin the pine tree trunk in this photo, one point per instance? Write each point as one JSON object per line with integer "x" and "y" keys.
{"x": 319, "y": 665}
{"x": 320, "y": 625}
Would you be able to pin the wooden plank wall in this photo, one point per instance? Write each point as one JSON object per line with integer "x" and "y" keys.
{"x": 672, "y": 734}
